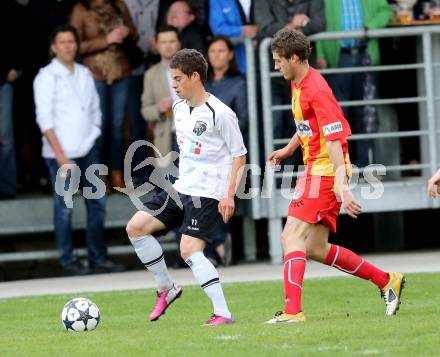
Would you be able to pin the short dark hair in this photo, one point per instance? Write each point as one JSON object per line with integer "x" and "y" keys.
{"x": 287, "y": 42}
{"x": 60, "y": 29}
{"x": 167, "y": 28}
{"x": 86, "y": 4}
{"x": 189, "y": 61}
{"x": 232, "y": 70}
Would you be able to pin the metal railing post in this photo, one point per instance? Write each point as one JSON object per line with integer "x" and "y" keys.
{"x": 275, "y": 221}
{"x": 254, "y": 149}
{"x": 430, "y": 108}
{"x": 250, "y": 247}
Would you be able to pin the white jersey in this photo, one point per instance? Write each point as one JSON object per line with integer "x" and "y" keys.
{"x": 208, "y": 137}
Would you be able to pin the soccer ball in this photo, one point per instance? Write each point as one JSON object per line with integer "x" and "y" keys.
{"x": 80, "y": 314}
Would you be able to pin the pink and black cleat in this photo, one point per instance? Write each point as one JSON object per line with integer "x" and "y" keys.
{"x": 219, "y": 320}
{"x": 164, "y": 300}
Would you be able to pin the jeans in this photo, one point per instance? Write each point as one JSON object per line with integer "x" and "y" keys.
{"x": 8, "y": 171}
{"x": 350, "y": 86}
{"x": 137, "y": 125}
{"x": 95, "y": 214}
{"x": 113, "y": 99}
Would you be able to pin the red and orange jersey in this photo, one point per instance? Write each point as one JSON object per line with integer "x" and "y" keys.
{"x": 318, "y": 118}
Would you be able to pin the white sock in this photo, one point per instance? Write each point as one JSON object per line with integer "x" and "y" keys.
{"x": 150, "y": 253}
{"x": 207, "y": 276}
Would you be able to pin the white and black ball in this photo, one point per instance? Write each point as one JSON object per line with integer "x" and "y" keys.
{"x": 80, "y": 314}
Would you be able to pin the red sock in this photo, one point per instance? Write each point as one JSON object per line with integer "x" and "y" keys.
{"x": 294, "y": 267}
{"x": 351, "y": 263}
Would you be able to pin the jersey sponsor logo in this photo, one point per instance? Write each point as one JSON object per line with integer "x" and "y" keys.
{"x": 332, "y": 128}
{"x": 297, "y": 203}
{"x": 191, "y": 228}
{"x": 196, "y": 147}
{"x": 303, "y": 128}
{"x": 199, "y": 127}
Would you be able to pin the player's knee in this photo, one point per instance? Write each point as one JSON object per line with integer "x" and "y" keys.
{"x": 188, "y": 248}
{"x": 186, "y": 251}
{"x": 315, "y": 252}
{"x": 137, "y": 225}
{"x": 185, "y": 254}
{"x": 284, "y": 239}
{"x": 287, "y": 239}
{"x": 311, "y": 253}
{"x": 132, "y": 228}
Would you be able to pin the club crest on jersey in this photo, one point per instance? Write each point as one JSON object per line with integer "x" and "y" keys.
{"x": 303, "y": 128}
{"x": 199, "y": 128}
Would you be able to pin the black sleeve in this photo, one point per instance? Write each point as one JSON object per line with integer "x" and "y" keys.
{"x": 316, "y": 11}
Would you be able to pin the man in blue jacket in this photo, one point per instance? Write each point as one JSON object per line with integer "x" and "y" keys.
{"x": 234, "y": 19}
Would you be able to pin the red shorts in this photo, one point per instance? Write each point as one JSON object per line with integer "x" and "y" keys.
{"x": 314, "y": 201}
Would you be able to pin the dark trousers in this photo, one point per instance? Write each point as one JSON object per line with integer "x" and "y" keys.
{"x": 113, "y": 101}
{"x": 137, "y": 125}
{"x": 350, "y": 86}
{"x": 63, "y": 214}
{"x": 8, "y": 170}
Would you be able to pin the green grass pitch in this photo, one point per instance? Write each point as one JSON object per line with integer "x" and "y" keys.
{"x": 346, "y": 317}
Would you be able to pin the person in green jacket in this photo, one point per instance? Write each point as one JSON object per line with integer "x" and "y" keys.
{"x": 353, "y": 15}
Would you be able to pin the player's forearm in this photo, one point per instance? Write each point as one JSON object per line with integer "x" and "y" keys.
{"x": 293, "y": 143}
{"x": 53, "y": 142}
{"x": 336, "y": 154}
{"x": 235, "y": 176}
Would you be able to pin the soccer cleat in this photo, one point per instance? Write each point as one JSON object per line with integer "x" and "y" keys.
{"x": 392, "y": 292}
{"x": 219, "y": 320}
{"x": 164, "y": 300}
{"x": 282, "y": 317}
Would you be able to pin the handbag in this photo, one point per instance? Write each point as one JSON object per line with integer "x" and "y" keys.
{"x": 134, "y": 54}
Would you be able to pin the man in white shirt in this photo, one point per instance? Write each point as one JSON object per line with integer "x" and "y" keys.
{"x": 69, "y": 117}
{"x": 212, "y": 154}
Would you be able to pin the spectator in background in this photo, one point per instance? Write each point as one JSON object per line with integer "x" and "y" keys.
{"x": 199, "y": 8}
{"x": 181, "y": 16}
{"x": 157, "y": 101}
{"x": 158, "y": 95}
{"x": 9, "y": 63}
{"x": 69, "y": 116}
{"x": 270, "y": 16}
{"x": 304, "y": 15}
{"x": 352, "y": 15}
{"x": 105, "y": 26}
{"x": 234, "y": 19}
{"x": 34, "y": 24}
{"x": 225, "y": 80}
{"x": 144, "y": 14}
{"x": 228, "y": 85}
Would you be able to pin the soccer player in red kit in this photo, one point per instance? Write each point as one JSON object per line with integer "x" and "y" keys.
{"x": 322, "y": 133}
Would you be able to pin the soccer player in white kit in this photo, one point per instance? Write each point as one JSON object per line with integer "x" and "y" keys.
{"x": 212, "y": 155}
